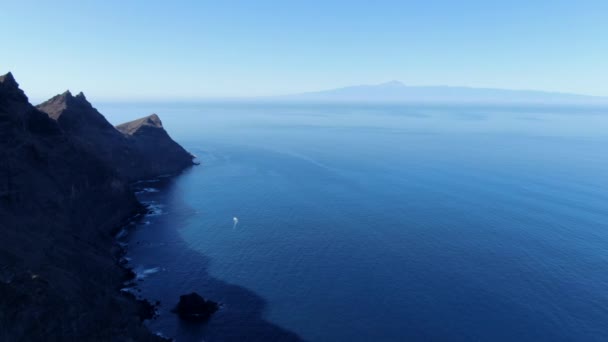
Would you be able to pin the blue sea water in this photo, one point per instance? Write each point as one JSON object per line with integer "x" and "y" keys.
{"x": 369, "y": 222}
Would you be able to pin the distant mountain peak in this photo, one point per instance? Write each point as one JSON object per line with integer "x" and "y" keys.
{"x": 393, "y": 83}
{"x": 395, "y": 91}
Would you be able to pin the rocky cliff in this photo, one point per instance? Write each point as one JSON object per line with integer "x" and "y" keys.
{"x": 137, "y": 150}
{"x": 61, "y": 200}
{"x": 157, "y": 152}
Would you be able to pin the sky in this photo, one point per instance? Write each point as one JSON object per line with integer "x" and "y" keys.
{"x": 171, "y": 50}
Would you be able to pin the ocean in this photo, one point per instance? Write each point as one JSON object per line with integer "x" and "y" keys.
{"x": 379, "y": 222}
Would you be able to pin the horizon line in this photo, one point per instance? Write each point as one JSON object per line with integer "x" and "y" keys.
{"x": 393, "y": 82}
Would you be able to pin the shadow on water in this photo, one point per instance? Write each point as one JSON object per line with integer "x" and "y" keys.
{"x": 167, "y": 268}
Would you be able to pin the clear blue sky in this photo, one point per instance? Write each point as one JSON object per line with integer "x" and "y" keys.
{"x": 191, "y": 49}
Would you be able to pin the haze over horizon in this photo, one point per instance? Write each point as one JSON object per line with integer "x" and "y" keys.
{"x": 396, "y": 91}
{"x": 290, "y": 171}
{"x": 192, "y": 50}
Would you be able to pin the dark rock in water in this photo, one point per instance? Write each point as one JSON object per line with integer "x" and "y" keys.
{"x": 130, "y": 275}
{"x": 147, "y": 310}
{"x": 137, "y": 150}
{"x": 193, "y": 307}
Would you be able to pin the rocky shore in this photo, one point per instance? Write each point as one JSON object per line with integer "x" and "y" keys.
{"x": 64, "y": 193}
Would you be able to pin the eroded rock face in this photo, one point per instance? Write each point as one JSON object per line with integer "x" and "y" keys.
{"x": 137, "y": 150}
{"x": 157, "y": 152}
{"x": 59, "y": 207}
{"x": 193, "y": 307}
{"x": 75, "y": 114}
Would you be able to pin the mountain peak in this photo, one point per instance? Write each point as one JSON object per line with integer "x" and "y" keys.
{"x": 393, "y": 83}
{"x": 9, "y": 89}
{"x": 9, "y": 80}
{"x": 395, "y": 91}
{"x": 74, "y": 112}
{"x": 153, "y": 120}
{"x": 150, "y": 121}
{"x": 66, "y": 100}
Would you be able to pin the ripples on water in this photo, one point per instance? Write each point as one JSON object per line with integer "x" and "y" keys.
{"x": 381, "y": 223}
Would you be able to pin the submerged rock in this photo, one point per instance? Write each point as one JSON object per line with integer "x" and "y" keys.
{"x": 193, "y": 307}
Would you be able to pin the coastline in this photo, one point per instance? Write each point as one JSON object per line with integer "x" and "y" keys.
{"x": 64, "y": 197}
{"x": 147, "y": 309}
{"x": 163, "y": 256}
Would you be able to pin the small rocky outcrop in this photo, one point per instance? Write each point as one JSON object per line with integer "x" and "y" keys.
{"x": 193, "y": 307}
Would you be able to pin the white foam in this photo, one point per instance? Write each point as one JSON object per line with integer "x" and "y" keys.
{"x": 154, "y": 208}
{"x": 151, "y": 270}
{"x": 160, "y": 334}
{"x": 146, "y": 190}
{"x": 147, "y": 181}
{"x": 130, "y": 290}
{"x": 142, "y": 273}
{"x": 122, "y": 233}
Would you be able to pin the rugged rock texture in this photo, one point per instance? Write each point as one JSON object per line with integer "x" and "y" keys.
{"x": 157, "y": 152}
{"x": 59, "y": 207}
{"x": 137, "y": 150}
{"x": 193, "y": 307}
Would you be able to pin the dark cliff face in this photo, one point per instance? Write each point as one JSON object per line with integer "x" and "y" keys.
{"x": 59, "y": 206}
{"x": 158, "y": 153}
{"x": 75, "y": 114}
{"x": 137, "y": 150}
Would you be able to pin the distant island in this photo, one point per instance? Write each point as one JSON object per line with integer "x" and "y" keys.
{"x": 65, "y": 191}
{"x": 395, "y": 91}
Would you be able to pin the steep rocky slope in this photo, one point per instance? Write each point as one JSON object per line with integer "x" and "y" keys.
{"x": 137, "y": 150}
{"x": 59, "y": 207}
{"x": 149, "y": 141}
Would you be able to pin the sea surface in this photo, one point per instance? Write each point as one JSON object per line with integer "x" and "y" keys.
{"x": 379, "y": 222}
